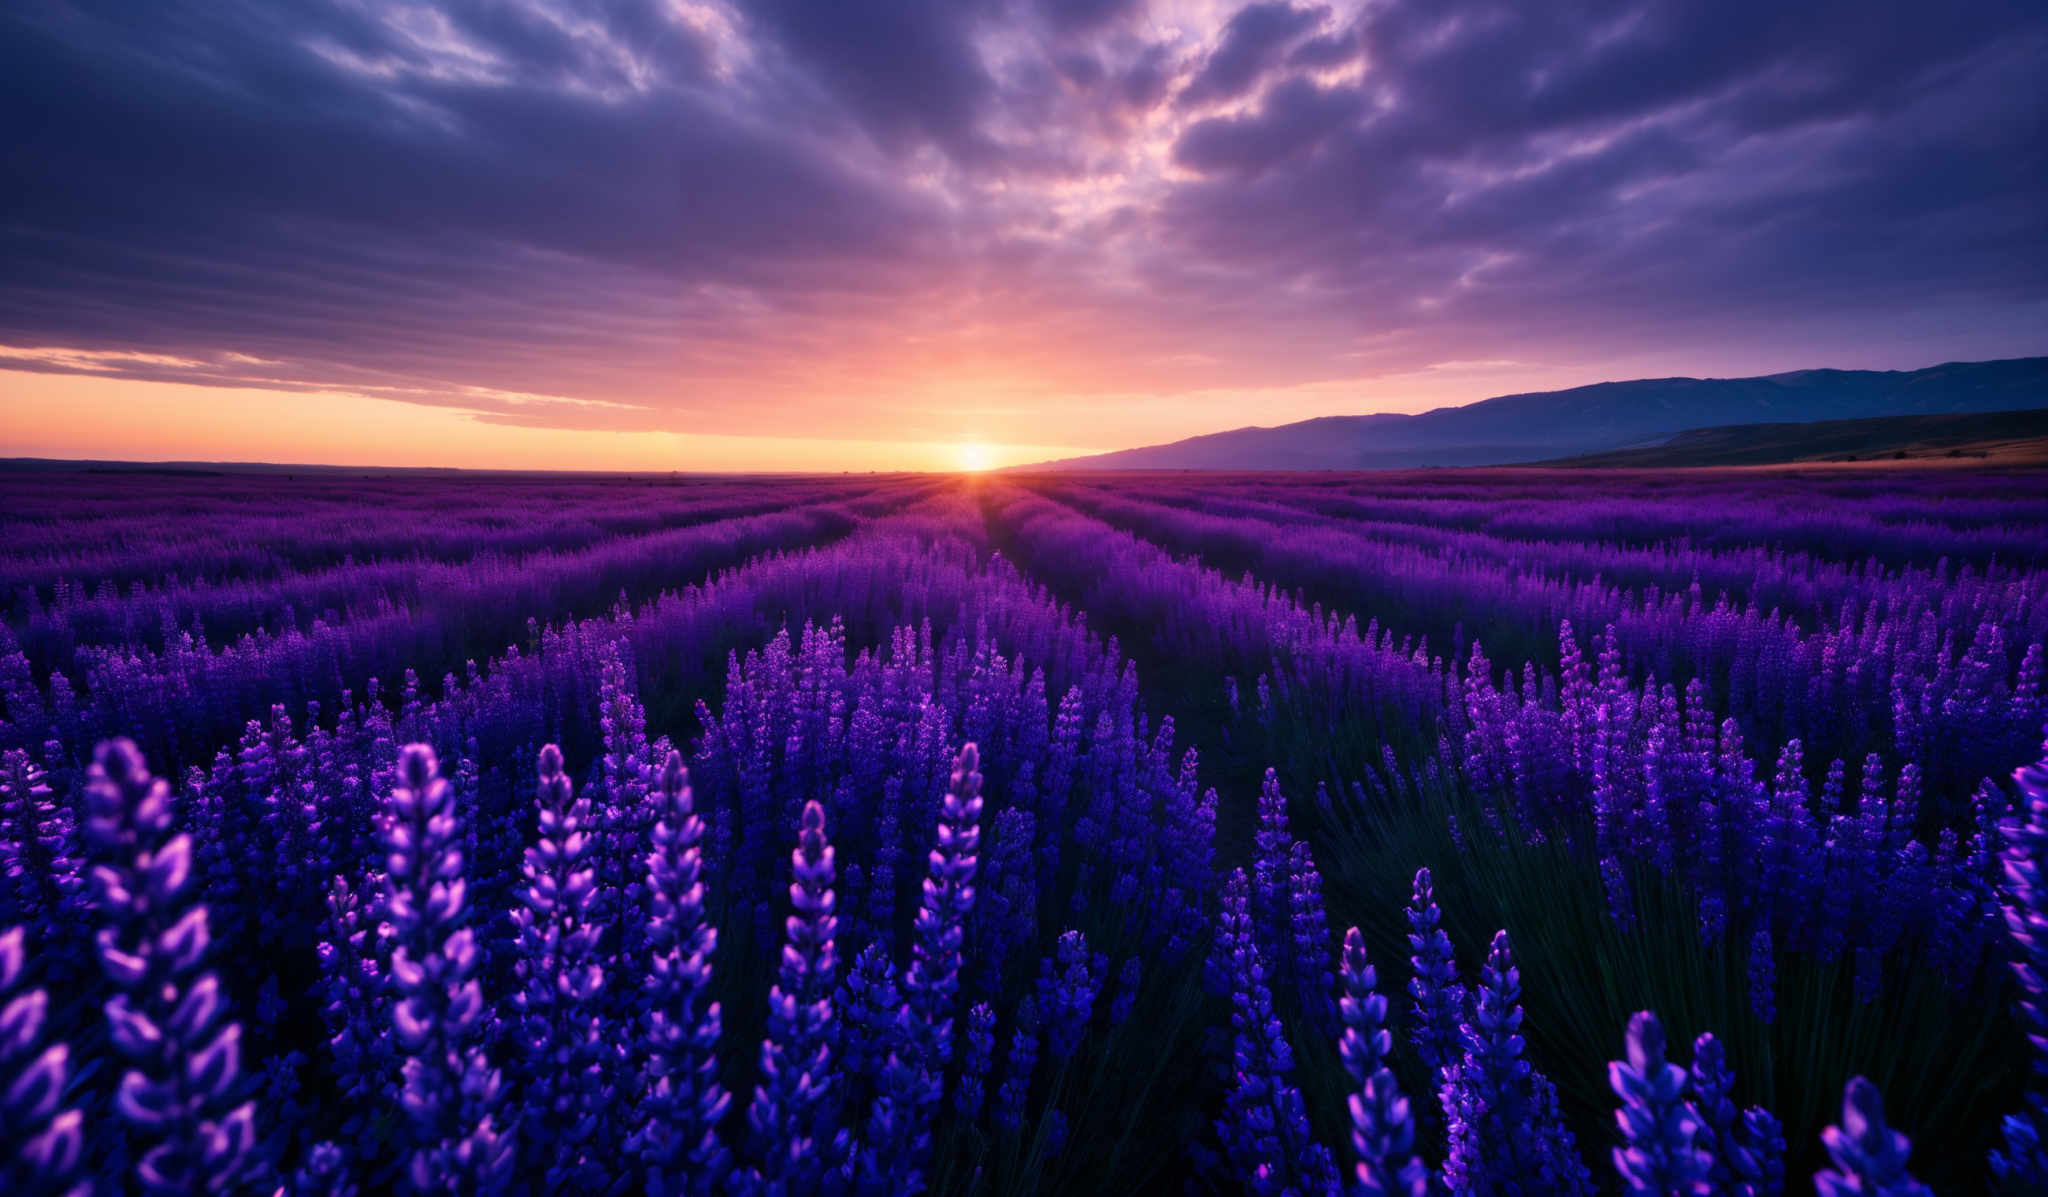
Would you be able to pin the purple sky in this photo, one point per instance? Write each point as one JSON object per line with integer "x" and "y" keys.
{"x": 806, "y": 231}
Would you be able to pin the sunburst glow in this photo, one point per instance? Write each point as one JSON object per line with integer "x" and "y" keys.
{"x": 974, "y": 456}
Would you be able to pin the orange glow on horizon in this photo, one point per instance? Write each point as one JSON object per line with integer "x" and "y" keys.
{"x": 78, "y": 416}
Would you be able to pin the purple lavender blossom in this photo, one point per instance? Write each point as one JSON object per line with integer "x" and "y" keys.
{"x": 451, "y": 1094}
{"x": 324, "y": 1174}
{"x": 1382, "y": 1128}
{"x": 184, "y": 1059}
{"x": 1869, "y": 1157}
{"x": 1019, "y": 1066}
{"x": 1309, "y": 930}
{"x": 932, "y": 984}
{"x": 561, "y": 980}
{"x": 43, "y": 1143}
{"x": 1264, "y": 1127}
{"x": 1758, "y": 1159}
{"x": 41, "y": 880}
{"x": 1507, "y": 1135}
{"x": 361, "y": 1056}
{"x": 974, "y": 1066}
{"x": 1660, "y": 1153}
{"x": 1069, "y": 982}
{"x": 681, "y": 1100}
{"x": 788, "y": 1113}
{"x": 2022, "y": 1162}
{"x": 1438, "y": 996}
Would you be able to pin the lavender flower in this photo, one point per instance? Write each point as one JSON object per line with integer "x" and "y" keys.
{"x": 974, "y": 1067}
{"x": 932, "y": 984}
{"x": 1018, "y": 1067}
{"x": 1272, "y": 846}
{"x": 621, "y": 823}
{"x": 1758, "y": 1159}
{"x": 1382, "y": 1128}
{"x": 1309, "y": 928}
{"x": 561, "y": 979}
{"x": 451, "y": 1093}
{"x": 184, "y": 1059}
{"x": 2022, "y": 1162}
{"x": 1069, "y": 982}
{"x": 681, "y": 1099}
{"x": 43, "y": 1143}
{"x": 41, "y": 881}
{"x": 872, "y": 1021}
{"x": 1712, "y": 1085}
{"x": 1660, "y": 1154}
{"x": 324, "y": 1174}
{"x": 360, "y": 1054}
{"x": 787, "y": 1114}
{"x": 1264, "y": 1127}
{"x": 1438, "y": 996}
{"x": 1870, "y": 1157}
{"x": 1507, "y": 1135}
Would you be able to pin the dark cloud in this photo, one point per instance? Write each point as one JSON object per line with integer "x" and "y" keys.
{"x": 1253, "y": 41}
{"x": 667, "y": 207}
{"x": 1327, "y": 50}
{"x": 1072, "y": 16}
{"x": 1296, "y": 114}
{"x": 1643, "y": 164}
{"x": 907, "y": 69}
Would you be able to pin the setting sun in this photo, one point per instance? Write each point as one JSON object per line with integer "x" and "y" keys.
{"x": 974, "y": 456}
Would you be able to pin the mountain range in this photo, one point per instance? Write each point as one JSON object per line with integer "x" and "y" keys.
{"x": 1607, "y": 416}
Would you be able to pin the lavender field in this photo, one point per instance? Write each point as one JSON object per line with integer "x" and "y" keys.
{"x": 1472, "y": 832}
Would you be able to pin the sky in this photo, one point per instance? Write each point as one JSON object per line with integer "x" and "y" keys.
{"x": 880, "y": 234}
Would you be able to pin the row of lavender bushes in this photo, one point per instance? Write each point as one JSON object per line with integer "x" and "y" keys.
{"x": 874, "y": 1077}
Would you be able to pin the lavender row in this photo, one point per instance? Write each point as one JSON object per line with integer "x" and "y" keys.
{"x": 557, "y": 578}
{"x": 74, "y": 536}
{"x": 194, "y": 696}
{"x": 1901, "y": 518}
{"x": 1812, "y": 590}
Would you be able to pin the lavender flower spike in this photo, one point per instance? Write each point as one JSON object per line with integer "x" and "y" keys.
{"x": 450, "y": 1092}
{"x": 42, "y": 1144}
{"x": 1382, "y": 1127}
{"x": 1660, "y": 1155}
{"x": 184, "y": 1060}
{"x": 1507, "y": 1135}
{"x": 933, "y": 983}
{"x": 2022, "y": 1164}
{"x": 1264, "y": 1127}
{"x": 788, "y": 1112}
{"x": 1870, "y": 1157}
{"x": 561, "y": 981}
{"x": 1439, "y": 998}
{"x": 682, "y": 1100}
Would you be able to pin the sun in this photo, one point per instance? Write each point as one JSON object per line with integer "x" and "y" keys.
{"x": 974, "y": 456}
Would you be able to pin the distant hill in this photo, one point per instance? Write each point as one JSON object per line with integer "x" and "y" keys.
{"x": 2004, "y": 438}
{"x": 1606, "y": 416}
